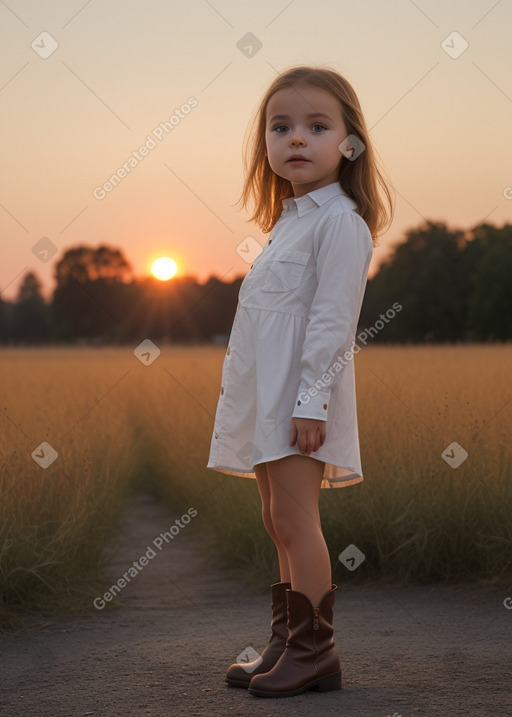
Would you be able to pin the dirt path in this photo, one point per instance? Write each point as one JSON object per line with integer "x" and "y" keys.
{"x": 404, "y": 652}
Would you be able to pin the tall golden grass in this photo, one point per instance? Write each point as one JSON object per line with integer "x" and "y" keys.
{"x": 118, "y": 426}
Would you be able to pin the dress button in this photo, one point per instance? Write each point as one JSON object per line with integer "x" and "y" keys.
{"x": 222, "y": 390}
{"x": 228, "y": 351}
{"x": 298, "y": 403}
{"x": 216, "y": 435}
{"x": 325, "y": 406}
{"x": 270, "y": 241}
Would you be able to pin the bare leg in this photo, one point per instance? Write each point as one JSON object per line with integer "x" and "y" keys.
{"x": 294, "y": 483}
{"x": 264, "y": 488}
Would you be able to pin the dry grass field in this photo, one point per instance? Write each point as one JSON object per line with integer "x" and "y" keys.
{"x": 118, "y": 425}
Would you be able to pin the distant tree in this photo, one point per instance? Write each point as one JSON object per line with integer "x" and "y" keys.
{"x": 426, "y": 276}
{"x": 173, "y": 310}
{"x": 3, "y": 320}
{"x": 30, "y": 321}
{"x": 452, "y": 285}
{"x": 219, "y": 306}
{"x": 90, "y": 299}
{"x": 489, "y": 261}
{"x": 85, "y": 264}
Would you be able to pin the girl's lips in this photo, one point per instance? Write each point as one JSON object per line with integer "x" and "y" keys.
{"x": 298, "y": 161}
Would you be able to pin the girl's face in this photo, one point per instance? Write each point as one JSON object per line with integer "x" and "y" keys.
{"x": 305, "y": 121}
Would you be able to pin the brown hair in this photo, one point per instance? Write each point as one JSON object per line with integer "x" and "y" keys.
{"x": 359, "y": 178}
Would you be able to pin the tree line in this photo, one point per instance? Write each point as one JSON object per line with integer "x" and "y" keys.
{"x": 452, "y": 285}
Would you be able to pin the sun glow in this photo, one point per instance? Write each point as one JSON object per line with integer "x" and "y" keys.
{"x": 164, "y": 268}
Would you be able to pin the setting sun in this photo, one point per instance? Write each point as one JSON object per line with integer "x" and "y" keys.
{"x": 164, "y": 268}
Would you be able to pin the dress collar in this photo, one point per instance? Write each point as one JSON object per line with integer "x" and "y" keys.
{"x": 313, "y": 199}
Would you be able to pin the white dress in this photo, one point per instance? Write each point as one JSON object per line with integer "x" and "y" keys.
{"x": 292, "y": 343}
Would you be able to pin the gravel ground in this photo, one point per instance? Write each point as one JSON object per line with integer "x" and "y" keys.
{"x": 404, "y": 651}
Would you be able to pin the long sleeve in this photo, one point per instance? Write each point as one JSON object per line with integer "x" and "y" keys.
{"x": 344, "y": 251}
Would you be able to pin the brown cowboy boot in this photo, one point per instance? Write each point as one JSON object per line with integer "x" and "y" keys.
{"x": 310, "y": 660}
{"x": 238, "y": 676}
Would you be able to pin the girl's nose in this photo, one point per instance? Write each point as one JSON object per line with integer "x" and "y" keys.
{"x": 296, "y": 140}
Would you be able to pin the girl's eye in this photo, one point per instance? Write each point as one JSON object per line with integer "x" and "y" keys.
{"x": 319, "y": 125}
{"x": 280, "y": 126}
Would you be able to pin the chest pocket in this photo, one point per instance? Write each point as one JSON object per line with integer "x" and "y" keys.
{"x": 285, "y": 272}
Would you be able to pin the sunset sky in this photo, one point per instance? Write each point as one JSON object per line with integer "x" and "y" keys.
{"x": 115, "y": 71}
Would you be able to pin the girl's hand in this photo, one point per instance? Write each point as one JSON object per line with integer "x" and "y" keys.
{"x": 309, "y": 433}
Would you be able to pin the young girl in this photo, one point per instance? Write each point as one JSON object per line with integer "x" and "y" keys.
{"x": 286, "y": 413}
